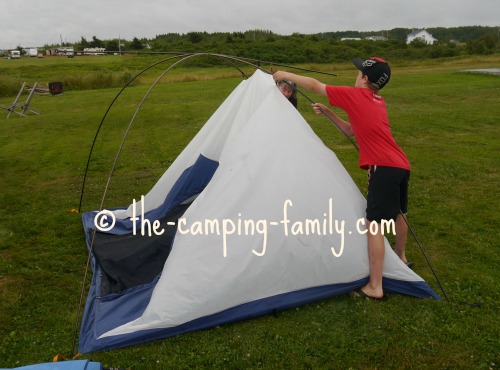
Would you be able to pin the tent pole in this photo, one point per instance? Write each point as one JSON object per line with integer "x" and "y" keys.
{"x": 183, "y": 57}
{"x": 425, "y": 255}
{"x": 404, "y": 217}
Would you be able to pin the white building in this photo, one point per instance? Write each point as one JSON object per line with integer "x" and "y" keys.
{"x": 420, "y": 34}
{"x": 94, "y": 51}
{"x": 31, "y": 52}
{"x": 377, "y": 38}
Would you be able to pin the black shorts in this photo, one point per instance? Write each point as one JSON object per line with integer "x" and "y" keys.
{"x": 387, "y": 193}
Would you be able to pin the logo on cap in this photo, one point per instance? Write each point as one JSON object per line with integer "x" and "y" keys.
{"x": 368, "y": 63}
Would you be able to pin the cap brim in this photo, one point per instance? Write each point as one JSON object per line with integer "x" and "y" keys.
{"x": 358, "y": 62}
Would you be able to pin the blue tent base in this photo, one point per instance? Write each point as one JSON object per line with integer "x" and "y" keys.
{"x": 89, "y": 343}
{"x": 63, "y": 365}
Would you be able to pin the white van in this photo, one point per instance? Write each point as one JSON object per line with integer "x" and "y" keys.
{"x": 15, "y": 54}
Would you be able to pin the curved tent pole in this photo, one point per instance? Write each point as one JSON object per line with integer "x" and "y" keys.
{"x": 179, "y": 55}
{"x": 258, "y": 61}
{"x": 105, "y": 115}
{"x": 228, "y": 58}
{"x": 184, "y": 58}
{"x": 293, "y": 67}
{"x": 106, "y": 189}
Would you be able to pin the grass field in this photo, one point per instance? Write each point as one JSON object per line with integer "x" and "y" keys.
{"x": 447, "y": 122}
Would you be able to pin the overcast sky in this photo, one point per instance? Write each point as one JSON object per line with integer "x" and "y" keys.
{"x": 39, "y": 22}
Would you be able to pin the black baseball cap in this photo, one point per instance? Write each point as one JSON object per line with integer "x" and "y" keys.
{"x": 377, "y": 70}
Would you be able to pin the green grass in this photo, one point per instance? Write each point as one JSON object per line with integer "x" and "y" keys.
{"x": 447, "y": 122}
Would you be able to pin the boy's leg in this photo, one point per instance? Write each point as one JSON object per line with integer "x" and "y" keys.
{"x": 387, "y": 196}
{"x": 400, "y": 238}
{"x": 376, "y": 253}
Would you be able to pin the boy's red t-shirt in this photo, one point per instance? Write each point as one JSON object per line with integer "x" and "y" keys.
{"x": 368, "y": 117}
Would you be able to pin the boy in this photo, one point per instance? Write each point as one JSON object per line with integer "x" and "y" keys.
{"x": 387, "y": 165}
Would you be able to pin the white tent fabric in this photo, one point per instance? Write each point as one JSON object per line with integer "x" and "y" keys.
{"x": 268, "y": 219}
{"x": 216, "y": 135}
{"x": 273, "y": 171}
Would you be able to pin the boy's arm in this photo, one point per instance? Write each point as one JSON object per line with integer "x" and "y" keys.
{"x": 307, "y": 83}
{"x": 342, "y": 124}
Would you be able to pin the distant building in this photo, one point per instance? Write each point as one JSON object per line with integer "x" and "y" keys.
{"x": 422, "y": 35}
{"x": 377, "y": 38}
{"x": 31, "y": 52}
{"x": 94, "y": 51}
{"x": 60, "y": 51}
{"x": 350, "y": 38}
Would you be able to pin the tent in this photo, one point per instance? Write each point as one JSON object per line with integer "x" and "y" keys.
{"x": 255, "y": 215}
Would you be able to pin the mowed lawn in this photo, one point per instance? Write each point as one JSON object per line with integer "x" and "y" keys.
{"x": 447, "y": 122}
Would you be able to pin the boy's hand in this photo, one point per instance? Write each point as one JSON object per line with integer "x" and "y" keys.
{"x": 319, "y": 108}
{"x": 280, "y": 75}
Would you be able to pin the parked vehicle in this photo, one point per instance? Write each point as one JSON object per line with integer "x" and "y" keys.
{"x": 14, "y": 54}
{"x": 32, "y": 52}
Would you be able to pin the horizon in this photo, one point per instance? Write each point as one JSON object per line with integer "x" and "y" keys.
{"x": 382, "y": 31}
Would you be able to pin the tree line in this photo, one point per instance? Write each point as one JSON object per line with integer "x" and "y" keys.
{"x": 324, "y": 47}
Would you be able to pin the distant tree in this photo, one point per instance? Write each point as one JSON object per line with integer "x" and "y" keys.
{"x": 96, "y": 43}
{"x": 490, "y": 41}
{"x": 239, "y": 35}
{"x": 399, "y": 33}
{"x": 483, "y": 45}
{"x": 112, "y": 45}
{"x": 136, "y": 44}
{"x": 83, "y": 43}
{"x": 169, "y": 37}
{"x": 418, "y": 43}
{"x": 195, "y": 37}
